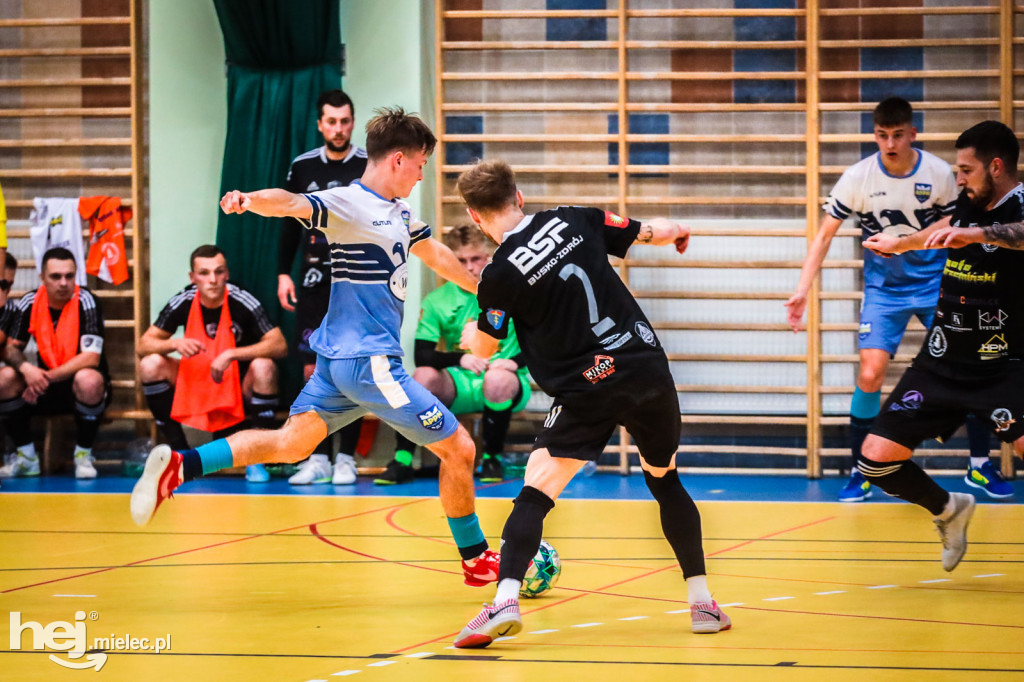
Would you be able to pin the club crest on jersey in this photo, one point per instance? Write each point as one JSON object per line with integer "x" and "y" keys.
{"x": 922, "y": 191}
{"x": 645, "y": 333}
{"x": 432, "y": 419}
{"x": 495, "y": 317}
{"x": 604, "y": 367}
{"x": 613, "y": 220}
{"x": 406, "y": 216}
{"x": 937, "y": 343}
{"x": 1002, "y": 418}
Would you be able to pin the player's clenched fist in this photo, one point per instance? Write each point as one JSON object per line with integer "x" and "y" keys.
{"x": 235, "y": 202}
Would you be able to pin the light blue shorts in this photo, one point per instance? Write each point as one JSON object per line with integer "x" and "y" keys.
{"x": 883, "y": 319}
{"x": 341, "y": 391}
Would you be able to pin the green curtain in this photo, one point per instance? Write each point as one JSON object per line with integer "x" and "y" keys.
{"x": 281, "y": 54}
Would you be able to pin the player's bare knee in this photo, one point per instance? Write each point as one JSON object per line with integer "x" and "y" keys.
{"x": 457, "y": 449}
{"x": 155, "y": 367}
{"x": 264, "y": 375}
{"x": 1018, "y": 447}
{"x": 500, "y": 385}
{"x": 11, "y": 383}
{"x": 88, "y": 386}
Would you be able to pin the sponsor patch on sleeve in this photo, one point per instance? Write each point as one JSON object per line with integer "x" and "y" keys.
{"x": 614, "y": 220}
{"x": 496, "y": 317}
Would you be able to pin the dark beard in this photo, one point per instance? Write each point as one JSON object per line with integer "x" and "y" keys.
{"x": 335, "y": 148}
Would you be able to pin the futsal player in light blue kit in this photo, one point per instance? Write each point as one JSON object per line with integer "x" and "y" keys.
{"x": 359, "y": 369}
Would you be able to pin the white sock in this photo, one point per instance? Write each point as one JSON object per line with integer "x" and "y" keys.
{"x": 947, "y": 511}
{"x": 978, "y": 462}
{"x": 87, "y": 452}
{"x": 698, "y": 587}
{"x": 28, "y": 451}
{"x": 508, "y": 589}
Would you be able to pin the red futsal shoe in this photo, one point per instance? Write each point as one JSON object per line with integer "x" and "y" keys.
{"x": 482, "y": 570}
{"x": 157, "y": 483}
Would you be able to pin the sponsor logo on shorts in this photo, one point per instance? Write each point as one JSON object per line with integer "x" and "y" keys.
{"x": 864, "y": 331}
{"x": 646, "y": 333}
{"x": 922, "y": 191}
{"x": 993, "y": 348}
{"x": 911, "y": 400}
{"x": 495, "y": 317}
{"x": 604, "y": 367}
{"x": 991, "y": 321}
{"x": 1002, "y": 418}
{"x": 615, "y": 340}
{"x": 432, "y": 419}
{"x": 956, "y": 323}
{"x": 937, "y": 343}
{"x": 313, "y": 277}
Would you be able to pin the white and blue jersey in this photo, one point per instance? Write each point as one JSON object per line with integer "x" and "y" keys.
{"x": 369, "y": 238}
{"x": 881, "y": 202}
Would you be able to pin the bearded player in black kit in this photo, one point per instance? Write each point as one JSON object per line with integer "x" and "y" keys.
{"x": 337, "y": 163}
{"x": 971, "y": 361}
{"x": 588, "y": 345}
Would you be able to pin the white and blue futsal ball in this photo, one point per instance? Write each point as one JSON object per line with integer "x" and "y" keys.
{"x": 543, "y": 572}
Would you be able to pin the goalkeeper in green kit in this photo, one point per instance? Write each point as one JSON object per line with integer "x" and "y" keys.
{"x": 497, "y": 386}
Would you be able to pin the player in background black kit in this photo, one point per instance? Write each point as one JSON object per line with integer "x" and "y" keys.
{"x": 971, "y": 360}
{"x": 336, "y": 164}
{"x": 587, "y": 344}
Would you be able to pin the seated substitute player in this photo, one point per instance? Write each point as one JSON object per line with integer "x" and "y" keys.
{"x": 227, "y": 357}
{"x": 588, "y": 345}
{"x": 72, "y": 376}
{"x": 359, "y": 368}
{"x": 497, "y": 386}
{"x": 899, "y": 190}
{"x": 336, "y": 164}
{"x": 971, "y": 361}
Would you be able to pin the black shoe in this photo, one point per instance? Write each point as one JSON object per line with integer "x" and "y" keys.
{"x": 396, "y": 472}
{"x": 491, "y": 470}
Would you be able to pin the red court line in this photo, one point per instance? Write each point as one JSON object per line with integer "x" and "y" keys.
{"x": 197, "y": 549}
{"x": 601, "y": 590}
{"x": 316, "y": 533}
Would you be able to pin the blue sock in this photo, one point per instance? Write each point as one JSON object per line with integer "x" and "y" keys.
{"x": 468, "y": 536}
{"x": 215, "y": 455}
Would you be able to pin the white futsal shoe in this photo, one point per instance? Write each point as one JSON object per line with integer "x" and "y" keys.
{"x": 953, "y": 530}
{"x": 316, "y": 469}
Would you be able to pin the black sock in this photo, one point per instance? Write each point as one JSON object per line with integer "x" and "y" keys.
{"x": 160, "y": 399}
{"x": 859, "y": 429}
{"x": 16, "y": 415}
{"x": 324, "y": 447}
{"x": 907, "y": 481}
{"x": 680, "y": 521}
{"x": 495, "y": 425}
{"x": 350, "y": 437}
{"x": 87, "y": 421}
{"x": 979, "y": 439}
{"x": 191, "y": 465}
{"x": 521, "y": 536}
{"x": 264, "y": 405}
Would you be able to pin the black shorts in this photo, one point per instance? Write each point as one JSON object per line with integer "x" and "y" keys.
{"x": 310, "y": 311}
{"x": 647, "y": 406}
{"x": 926, "y": 405}
{"x": 59, "y": 398}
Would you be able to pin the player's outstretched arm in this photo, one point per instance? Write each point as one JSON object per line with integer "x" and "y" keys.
{"x": 276, "y": 203}
{"x": 797, "y": 303}
{"x": 888, "y": 245}
{"x": 1008, "y": 235}
{"x": 661, "y": 231}
{"x": 441, "y": 260}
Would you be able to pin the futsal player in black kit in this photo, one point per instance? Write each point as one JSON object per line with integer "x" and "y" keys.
{"x": 337, "y": 163}
{"x": 589, "y": 346}
{"x": 971, "y": 361}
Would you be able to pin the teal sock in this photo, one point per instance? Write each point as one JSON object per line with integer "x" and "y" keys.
{"x": 865, "y": 405}
{"x": 215, "y": 455}
{"x": 468, "y": 536}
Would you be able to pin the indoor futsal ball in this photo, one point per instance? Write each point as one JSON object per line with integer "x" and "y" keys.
{"x": 543, "y": 572}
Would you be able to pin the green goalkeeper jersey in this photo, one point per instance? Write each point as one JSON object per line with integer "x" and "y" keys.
{"x": 445, "y": 312}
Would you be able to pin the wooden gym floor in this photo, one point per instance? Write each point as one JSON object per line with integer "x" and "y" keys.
{"x": 300, "y": 587}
